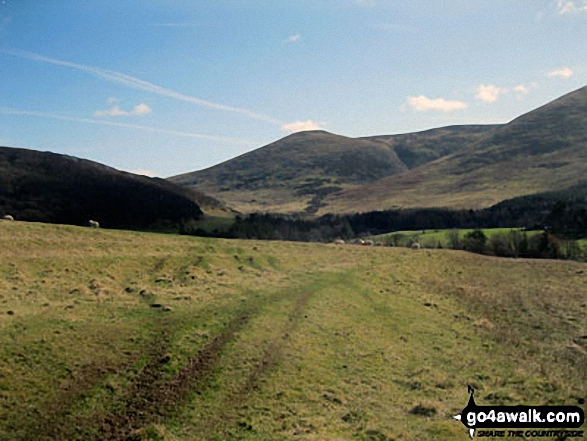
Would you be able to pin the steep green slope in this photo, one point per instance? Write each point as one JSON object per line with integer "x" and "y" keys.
{"x": 415, "y": 149}
{"x": 296, "y": 172}
{"x": 543, "y": 150}
{"x": 120, "y": 335}
{"x": 48, "y": 187}
{"x": 287, "y": 174}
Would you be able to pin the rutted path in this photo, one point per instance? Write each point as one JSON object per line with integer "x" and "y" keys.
{"x": 151, "y": 399}
{"x": 271, "y": 355}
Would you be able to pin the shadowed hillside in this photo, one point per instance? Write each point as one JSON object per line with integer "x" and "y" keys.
{"x": 543, "y": 150}
{"x": 48, "y": 187}
{"x": 295, "y": 173}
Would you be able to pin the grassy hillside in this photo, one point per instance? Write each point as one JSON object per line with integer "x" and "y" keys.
{"x": 544, "y": 150}
{"x": 415, "y": 149}
{"x": 286, "y": 175}
{"x": 123, "y": 335}
{"x": 432, "y": 238}
{"x": 48, "y": 187}
{"x": 295, "y": 173}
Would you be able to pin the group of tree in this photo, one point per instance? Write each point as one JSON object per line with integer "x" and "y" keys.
{"x": 561, "y": 215}
{"x": 514, "y": 243}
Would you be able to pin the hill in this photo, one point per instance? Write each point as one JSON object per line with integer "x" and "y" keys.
{"x": 543, "y": 150}
{"x": 122, "y": 335}
{"x": 48, "y": 187}
{"x": 415, "y": 149}
{"x": 295, "y": 173}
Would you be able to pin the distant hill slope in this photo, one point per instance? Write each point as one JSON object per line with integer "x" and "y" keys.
{"x": 295, "y": 173}
{"x": 543, "y": 150}
{"x": 415, "y": 149}
{"x": 48, "y": 187}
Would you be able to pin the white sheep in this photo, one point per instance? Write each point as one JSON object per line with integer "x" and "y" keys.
{"x": 93, "y": 224}
{"x": 7, "y": 217}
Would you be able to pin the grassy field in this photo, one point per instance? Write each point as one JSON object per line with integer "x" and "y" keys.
{"x": 135, "y": 336}
{"x": 431, "y": 238}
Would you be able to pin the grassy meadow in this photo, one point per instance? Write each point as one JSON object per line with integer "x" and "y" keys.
{"x": 431, "y": 238}
{"x": 140, "y": 336}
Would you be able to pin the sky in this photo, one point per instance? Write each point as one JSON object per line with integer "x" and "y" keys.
{"x": 164, "y": 87}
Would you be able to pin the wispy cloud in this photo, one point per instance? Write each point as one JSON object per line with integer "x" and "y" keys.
{"x": 565, "y": 72}
{"x": 10, "y": 111}
{"x": 422, "y": 103}
{"x": 112, "y": 100}
{"x": 301, "y": 126}
{"x": 294, "y": 38}
{"x": 139, "y": 84}
{"x": 522, "y": 89}
{"x": 393, "y": 27}
{"x": 141, "y": 109}
{"x": 571, "y": 6}
{"x": 489, "y": 93}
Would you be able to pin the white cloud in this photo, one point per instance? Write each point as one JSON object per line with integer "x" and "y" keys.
{"x": 565, "y": 72}
{"x": 571, "y": 6}
{"x": 137, "y": 83}
{"x": 422, "y": 103}
{"x": 522, "y": 89}
{"x": 113, "y": 111}
{"x": 301, "y": 126}
{"x": 142, "y": 171}
{"x": 112, "y": 100}
{"x": 141, "y": 109}
{"x": 10, "y": 111}
{"x": 489, "y": 92}
{"x": 294, "y": 38}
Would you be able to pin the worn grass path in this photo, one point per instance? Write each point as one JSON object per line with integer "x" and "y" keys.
{"x": 132, "y": 336}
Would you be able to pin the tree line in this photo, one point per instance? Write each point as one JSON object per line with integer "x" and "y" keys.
{"x": 562, "y": 216}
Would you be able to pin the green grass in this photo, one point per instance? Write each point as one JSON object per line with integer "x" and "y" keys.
{"x": 216, "y": 222}
{"x": 431, "y": 238}
{"x": 273, "y": 340}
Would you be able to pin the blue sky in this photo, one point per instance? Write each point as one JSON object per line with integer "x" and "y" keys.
{"x": 166, "y": 87}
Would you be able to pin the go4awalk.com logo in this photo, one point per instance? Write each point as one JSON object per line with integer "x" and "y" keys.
{"x": 510, "y": 419}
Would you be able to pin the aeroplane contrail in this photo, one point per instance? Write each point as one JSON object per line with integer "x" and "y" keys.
{"x": 137, "y": 83}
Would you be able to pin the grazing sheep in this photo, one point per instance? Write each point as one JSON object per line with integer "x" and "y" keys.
{"x": 93, "y": 224}
{"x": 368, "y": 243}
{"x": 7, "y": 217}
{"x": 416, "y": 246}
{"x": 338, "y": 242}
{"x": 358, "y": 241}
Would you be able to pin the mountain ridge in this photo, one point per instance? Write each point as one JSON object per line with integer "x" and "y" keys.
{"x": 295, "y": 173}
{"x": 542, "y": 150}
